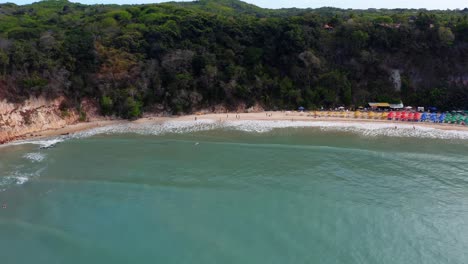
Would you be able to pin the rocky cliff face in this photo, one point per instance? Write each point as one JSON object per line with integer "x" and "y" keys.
{"x": 32, "y": 116}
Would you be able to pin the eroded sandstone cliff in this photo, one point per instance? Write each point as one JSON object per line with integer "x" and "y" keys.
{"x": 32, "y": 116}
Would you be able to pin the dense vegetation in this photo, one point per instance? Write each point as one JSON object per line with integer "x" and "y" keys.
{"x": 180, "y": 57}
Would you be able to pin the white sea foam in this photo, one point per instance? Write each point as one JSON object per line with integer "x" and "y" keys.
{"x": 35, "y": 157}
{"x": 19, "y": 177}
{"x": 20, "y": 180}
{"x": 365, "y": 129}
{"x": 43, "y": 143}
{"x": 10, "y": 180}
{"x": 151, "y": 128}
{"x": 395, "y": 130}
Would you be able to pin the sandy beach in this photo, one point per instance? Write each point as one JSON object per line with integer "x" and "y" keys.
{"x": 227, "y": 117}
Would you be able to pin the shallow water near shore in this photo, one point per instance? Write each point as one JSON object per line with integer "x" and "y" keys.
{"x": 287, "y": 195}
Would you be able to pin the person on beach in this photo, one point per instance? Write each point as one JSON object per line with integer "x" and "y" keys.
{"x": 195, "y": 118}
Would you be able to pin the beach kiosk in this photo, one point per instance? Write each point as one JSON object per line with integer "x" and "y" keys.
{"x": 381, "y": 105}
{"x": 397, "y": 106}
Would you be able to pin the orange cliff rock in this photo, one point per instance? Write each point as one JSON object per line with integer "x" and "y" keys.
{"x": 32, "y": 116}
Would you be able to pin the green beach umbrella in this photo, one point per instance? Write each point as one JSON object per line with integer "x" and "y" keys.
{"x": 454, "y": 119}
{"x": 460, "y": 118}
{"x": 448, "y": 117}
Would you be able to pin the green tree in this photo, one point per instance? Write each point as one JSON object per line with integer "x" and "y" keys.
{"x": 132, "y": 108}
{"x": 446, "y": 36}
{"x": 106, "y": 105}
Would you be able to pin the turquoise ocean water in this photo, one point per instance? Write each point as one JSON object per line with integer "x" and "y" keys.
{"x": 286, "y": 195}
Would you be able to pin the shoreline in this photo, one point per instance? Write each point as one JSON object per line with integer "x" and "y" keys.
{"x": 227, "y": 117}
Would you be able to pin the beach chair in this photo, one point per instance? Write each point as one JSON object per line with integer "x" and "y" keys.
{"x": 391, "y": 115}
{"x": 410, "y": 117}
{"x": 433, "y": 117}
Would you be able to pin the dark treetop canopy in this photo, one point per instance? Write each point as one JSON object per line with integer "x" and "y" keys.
{"x": 180, "y": 57}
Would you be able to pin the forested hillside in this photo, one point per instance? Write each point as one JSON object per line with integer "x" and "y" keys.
{"x": 180, "y": 57}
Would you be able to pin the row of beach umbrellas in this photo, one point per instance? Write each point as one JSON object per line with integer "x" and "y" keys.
{"x": 450, "y": 118}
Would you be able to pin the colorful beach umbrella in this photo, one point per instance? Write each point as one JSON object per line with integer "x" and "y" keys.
{"x": 441, "y": 118}
{"x": 417, "y": 117}
{"x": 447, "y": 118}
{"x": 403, "y": 116}
{"x": 424, "y": 117}
{"x": 397, "y": 115}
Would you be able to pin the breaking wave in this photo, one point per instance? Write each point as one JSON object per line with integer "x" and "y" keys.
{"x": 365, "y": 129}
{"x": 151, "y": 128}
{"x": 43, "y": 143}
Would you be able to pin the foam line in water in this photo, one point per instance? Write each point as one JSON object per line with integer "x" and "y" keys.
{"x": 254, "y": 126}
{"x": 43, "y": 143}
{"x": 366, "y": 129}
{"x": 35, "y": 157}
{"x": 151, "y": 128}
